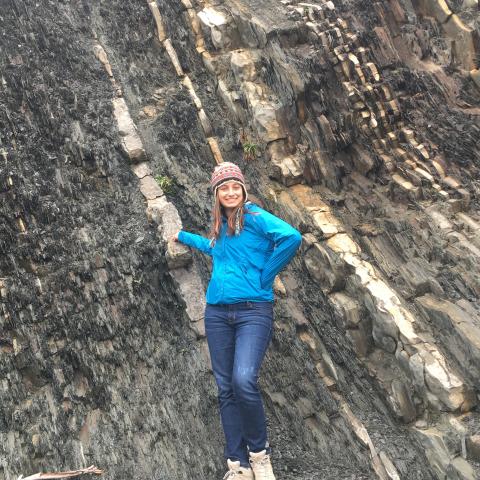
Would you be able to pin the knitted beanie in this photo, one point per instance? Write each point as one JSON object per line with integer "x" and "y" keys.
{"x": 227, "y": 172}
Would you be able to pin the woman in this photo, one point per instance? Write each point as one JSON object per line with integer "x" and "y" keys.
{"x": 249, "y": 247}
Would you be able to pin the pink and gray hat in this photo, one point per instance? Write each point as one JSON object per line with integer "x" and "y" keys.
{"x": 227, "y": 172}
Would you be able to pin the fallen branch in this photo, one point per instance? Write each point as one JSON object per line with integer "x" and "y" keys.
{"x": 70, "y": 473}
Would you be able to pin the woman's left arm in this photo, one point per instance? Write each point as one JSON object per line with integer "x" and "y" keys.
{"x": 287, "y": 240}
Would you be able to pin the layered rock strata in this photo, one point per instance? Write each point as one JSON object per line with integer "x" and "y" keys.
{"x": 376, "y": 319}
{"x": 379, "y": 117}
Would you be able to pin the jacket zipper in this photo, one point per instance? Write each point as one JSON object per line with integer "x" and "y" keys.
{"x": 224, "y": 266}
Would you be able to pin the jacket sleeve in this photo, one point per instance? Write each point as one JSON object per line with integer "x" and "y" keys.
{"x": 287, "y": 240}
{"x": 195, "y": 241}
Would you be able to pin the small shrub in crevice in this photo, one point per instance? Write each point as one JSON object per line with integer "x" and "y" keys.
{"x": 165, "y": 183}
{"x": 250, "y": 148}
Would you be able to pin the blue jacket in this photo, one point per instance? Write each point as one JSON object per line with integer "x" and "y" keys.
{"x": 245, "y": 266}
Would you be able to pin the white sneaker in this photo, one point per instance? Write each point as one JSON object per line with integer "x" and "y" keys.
{"x": 236, "y": 472}
{"x": 261, "y": 466}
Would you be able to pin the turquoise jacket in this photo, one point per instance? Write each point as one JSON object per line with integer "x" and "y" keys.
{"x": 245, "y": 266}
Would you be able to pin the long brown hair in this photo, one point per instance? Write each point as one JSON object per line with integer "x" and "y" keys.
{"x": 217, "y": 213}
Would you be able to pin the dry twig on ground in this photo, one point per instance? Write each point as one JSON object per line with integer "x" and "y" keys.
{"x": 70, "y": 473}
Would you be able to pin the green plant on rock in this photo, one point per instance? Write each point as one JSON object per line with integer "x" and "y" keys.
{"x": 165, "y": 183}
{"x": 250, "y": 150}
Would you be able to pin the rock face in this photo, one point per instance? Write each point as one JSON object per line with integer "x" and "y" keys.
{"x": 355, "y": 121}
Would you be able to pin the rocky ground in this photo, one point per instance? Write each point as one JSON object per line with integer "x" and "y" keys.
{"x": 364, "y": 118}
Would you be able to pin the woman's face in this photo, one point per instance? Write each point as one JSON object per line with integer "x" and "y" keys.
{"x": 230, "y": 195}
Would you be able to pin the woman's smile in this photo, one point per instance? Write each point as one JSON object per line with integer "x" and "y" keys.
{"x": 230, "y": 195}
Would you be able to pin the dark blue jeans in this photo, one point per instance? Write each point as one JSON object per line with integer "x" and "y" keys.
{"x": 238, "y": 335}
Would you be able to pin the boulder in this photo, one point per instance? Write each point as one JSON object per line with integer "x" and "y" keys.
{"x": 405, "y": 407}
{"x": 347, "y": 309}
{"x": 459, "y": 325}
{"x": 343, "y": 243}
{"x": 417, "y": 367}
{"x": 150, "y": 188}
{"x": 192, "y": 291}
{"x": 244, "y": 65}
{"x": 361, "y": 340}
{"x": 440, "y": 381}
{"x": 435, "y": 451}
{"x": 287, "y": 168}
{"x": 169, "y": 223}
{"x": 327, "y": 224}
{"x": 325, "y": 267}
{"x": 133, "y": 145}
{"x": 384, "y": 328}
{"x": 221, "y": 29}
{"x": 177, "y": 255}
{"x": 230, "y": 100}
{"x": 327, "y": 133}
{"x": 362, "y": 159}
{"x": 169, "y": 219}
{"x": 438, "y": 9}
{"x": 465, "y": 40}
{"x": 420, "y": 277}
{"x": 131, "y": 142}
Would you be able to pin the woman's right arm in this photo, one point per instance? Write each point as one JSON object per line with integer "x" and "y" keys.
{"x": 195, "y": 241}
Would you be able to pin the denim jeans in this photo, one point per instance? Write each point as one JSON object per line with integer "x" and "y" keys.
{"x": 238, "y": 335}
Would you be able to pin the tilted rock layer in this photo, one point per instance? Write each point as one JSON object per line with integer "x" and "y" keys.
{"x": 355, "y": 121}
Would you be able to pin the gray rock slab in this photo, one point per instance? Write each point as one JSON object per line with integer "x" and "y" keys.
{"x": 150, "y": 188}
{"x": 460, "y": 324}
{"x": 191, "y": 290}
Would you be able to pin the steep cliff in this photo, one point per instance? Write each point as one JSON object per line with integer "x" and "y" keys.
{"x": 357, "y": 122}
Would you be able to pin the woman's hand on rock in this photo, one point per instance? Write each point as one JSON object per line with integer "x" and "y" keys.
{"x": 175, "y": 237}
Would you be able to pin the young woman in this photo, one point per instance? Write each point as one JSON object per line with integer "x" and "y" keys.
{"x": 249, "y": 247}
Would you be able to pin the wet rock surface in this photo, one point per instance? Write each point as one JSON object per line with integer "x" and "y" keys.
{"x": 365, "y": 122}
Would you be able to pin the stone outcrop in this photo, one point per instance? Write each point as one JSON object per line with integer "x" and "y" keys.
{"x": 159, "y": 209}
{"x": 342, "y": 118}
{"x": 465, "y": 40}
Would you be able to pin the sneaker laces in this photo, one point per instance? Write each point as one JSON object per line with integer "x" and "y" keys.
{"x": 265, "y": 460}
{"x": 262, "y": 463}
